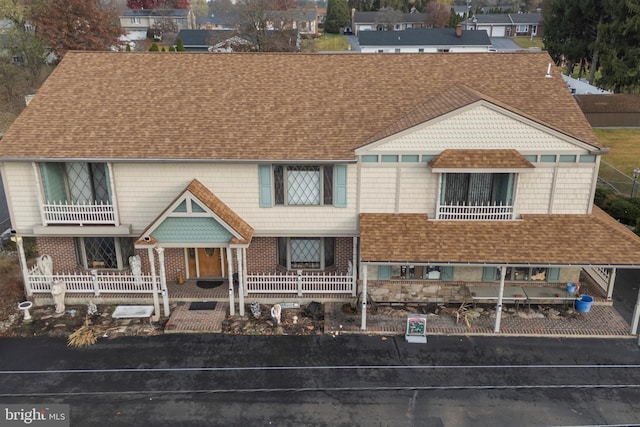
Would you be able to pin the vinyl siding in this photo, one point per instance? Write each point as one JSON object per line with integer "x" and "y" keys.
{"x": 22, "y": 196}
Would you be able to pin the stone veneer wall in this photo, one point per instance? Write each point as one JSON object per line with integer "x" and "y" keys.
{"x": 414, "y": 291}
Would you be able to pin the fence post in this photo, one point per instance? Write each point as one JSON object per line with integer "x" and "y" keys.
{"x": 94, "y": 278}
{"x": 299, "y": 283}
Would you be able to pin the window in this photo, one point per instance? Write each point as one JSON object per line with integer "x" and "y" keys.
{"x": 548, "y": 158}
{"x": 135, "y": 20}
{"x": 525, "y": 274}
{"x": 306, "y": 253}
{"x": 477, "y": 189}
{"x": 389, "y": 158}
{"x": 522, "y": 28}
{"x": 410, "y": 158}
{"x": 567, "y": 158}
{"x": 75, "y": 182}
{"x": 380, "y": 50}
{"x": 303, "y": 185}
{"x": 103, "y": 252}
{"x": 421, "y": 50}
{"x": 443, "y": 50}
{"x": 532, "y": 158}
{"x": 397, "y": 50}
{"x": 369, "y": 158}
{"x": 587, "y": 158}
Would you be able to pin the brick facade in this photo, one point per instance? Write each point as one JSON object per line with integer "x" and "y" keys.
{"x": 62, "y": 252}
{"x": 262, "y": 255}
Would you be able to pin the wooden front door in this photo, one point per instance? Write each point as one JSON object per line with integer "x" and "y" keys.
{"x": 209, "y": 262}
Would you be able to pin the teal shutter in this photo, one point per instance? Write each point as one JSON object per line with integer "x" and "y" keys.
{"x": 384, "y": 272}
{"x": 52, "y": 175}
{"x": 488, "y": 274}
{"x": 264, "y": 178}
{"x": 446, "y": 273}
{"x": 340, "y": 186}
{"x": 553, "y": 275}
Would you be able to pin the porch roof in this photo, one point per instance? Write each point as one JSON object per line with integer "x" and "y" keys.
{"x": 579, "y": 240}
{"x": 480, "y": 159}
{"x": 242, "y": 231}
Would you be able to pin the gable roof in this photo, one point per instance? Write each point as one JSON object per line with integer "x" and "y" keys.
{"x": 425, "y": 36}
{"x": 534, "y": 240}
{"x": 506, "y": 18}
{"x": 242, "y": 231}
{"x": 248, "y": 107}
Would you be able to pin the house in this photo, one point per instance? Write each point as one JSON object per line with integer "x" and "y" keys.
{"x": 428, "y": 40}
{"x": 305, "y": 21}
{"x": 233, "y": 41}
{"x": 386, "y": 20}
{"x": 611, "y": 110}
{"x": 507, "y": 24}
{"x": 138, "y": 22}
{"x": 286, "y": 175}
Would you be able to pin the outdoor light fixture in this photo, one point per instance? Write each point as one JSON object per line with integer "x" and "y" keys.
{"x": 636, "y": 173}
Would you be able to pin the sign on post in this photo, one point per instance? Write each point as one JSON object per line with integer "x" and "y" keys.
{"x": 416, "y": 328}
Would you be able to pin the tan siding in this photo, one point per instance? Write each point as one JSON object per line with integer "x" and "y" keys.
{"x": 145, "y": 190}
{"x": 21, "y": 189}
{"x": 378, "y": 189}
{"x": 534, "y": 190}
{"x": 573, "y": 189}
{"x": 418, "y": 190}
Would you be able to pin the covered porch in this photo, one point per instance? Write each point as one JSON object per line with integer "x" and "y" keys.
{"x": 566, "y": 247}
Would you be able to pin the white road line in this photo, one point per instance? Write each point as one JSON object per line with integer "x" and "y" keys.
{"x": 309, "y": 368}
{"x": 325, "y": 389}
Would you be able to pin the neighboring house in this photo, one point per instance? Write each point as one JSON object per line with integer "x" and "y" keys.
{"x": 611, "y": 110}
{"x": 138, "y": 22}
{"x": 507, "y": 25}
{"x": 302, "y": 20}
{"x": 289, "y": 175}
{"x": 225, "y": 40}
{"x": 427, "y": 40}
{"x": 385, "y": 20}
{"x": 222, "y": 21}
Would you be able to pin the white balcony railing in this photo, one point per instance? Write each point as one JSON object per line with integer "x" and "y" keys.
{"x": 475, "y": 212}
{"x": 79, "y": 213}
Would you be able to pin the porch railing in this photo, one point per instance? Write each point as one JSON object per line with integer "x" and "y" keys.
{"x": 103, "y": 283}
{"x": 301, "y": 283}
{"x": 475, "y": 212}
{"x": 79, "y": 213}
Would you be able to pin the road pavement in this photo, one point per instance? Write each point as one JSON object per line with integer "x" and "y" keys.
{"x": 230, "y": 380}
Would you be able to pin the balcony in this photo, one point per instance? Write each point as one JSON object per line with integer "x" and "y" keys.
{"x": 475, "y": 212}
{"x": 63, "y": 213}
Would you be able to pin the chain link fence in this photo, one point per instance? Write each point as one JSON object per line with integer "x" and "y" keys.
{"x": 616, "y": 180}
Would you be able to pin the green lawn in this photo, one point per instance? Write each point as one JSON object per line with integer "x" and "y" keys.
{"x": 624, "y": 144}
{"x": 528, "y": 42}
{"x": 330, "y": 42}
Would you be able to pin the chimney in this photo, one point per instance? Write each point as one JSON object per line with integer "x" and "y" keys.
{"x": 459, "y": 30}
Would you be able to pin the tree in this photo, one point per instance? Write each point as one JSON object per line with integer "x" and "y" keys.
{"x": 438, "y": 14}
{"x": 619, "y": 43}
{"x": 154, "y": 47}
{"x": 265, "y": 27}
{"x": 338, "y": 16}
{"x": 200, "y": 8}
{"x": 162, "y": 27}
{"x": 179, "y": 45}
{"x": 571, "y": 31}
{"x": 77, "y": 25}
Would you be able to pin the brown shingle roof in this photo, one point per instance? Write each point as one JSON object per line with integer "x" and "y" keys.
{"x": 108, "y": 105}
{"x": 595, "y": 239}
{"x": 479, "y": 159}
{"x": 224, "y": 212}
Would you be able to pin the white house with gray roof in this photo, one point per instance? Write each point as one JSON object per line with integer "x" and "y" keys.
{"x": 425, "y": 40}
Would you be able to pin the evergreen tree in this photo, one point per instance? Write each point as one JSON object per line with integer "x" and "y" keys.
{"x": 154, "y": 47}
{"x": 619, "y": 42}
{"x": 338, "y": 16}
{"x": 179, "y": 45}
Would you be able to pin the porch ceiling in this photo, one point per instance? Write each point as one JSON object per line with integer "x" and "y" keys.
{"x": 580, "y": 240}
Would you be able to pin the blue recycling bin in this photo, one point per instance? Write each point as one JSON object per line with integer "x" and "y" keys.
{"x": 583, "y": 304}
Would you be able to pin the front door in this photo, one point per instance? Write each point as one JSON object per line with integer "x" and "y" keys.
{"x": 206, "y": 262}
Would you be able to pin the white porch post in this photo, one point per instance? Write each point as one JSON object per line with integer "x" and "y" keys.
{"x": 354, "y": 273}
{"x": 503, "y": 273}
{"x": 232, "y": 303}
{"x": 244, "y": 271}
{"x": 612, "y": 281}
{"x": 154, "y": 286}
{"x": 163, "y": 282}
{"x": 240, "y": 282}
{"x": 636, "y": 317}
{"x": 23, "y": 266}
{"x": 363, "y": 324}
